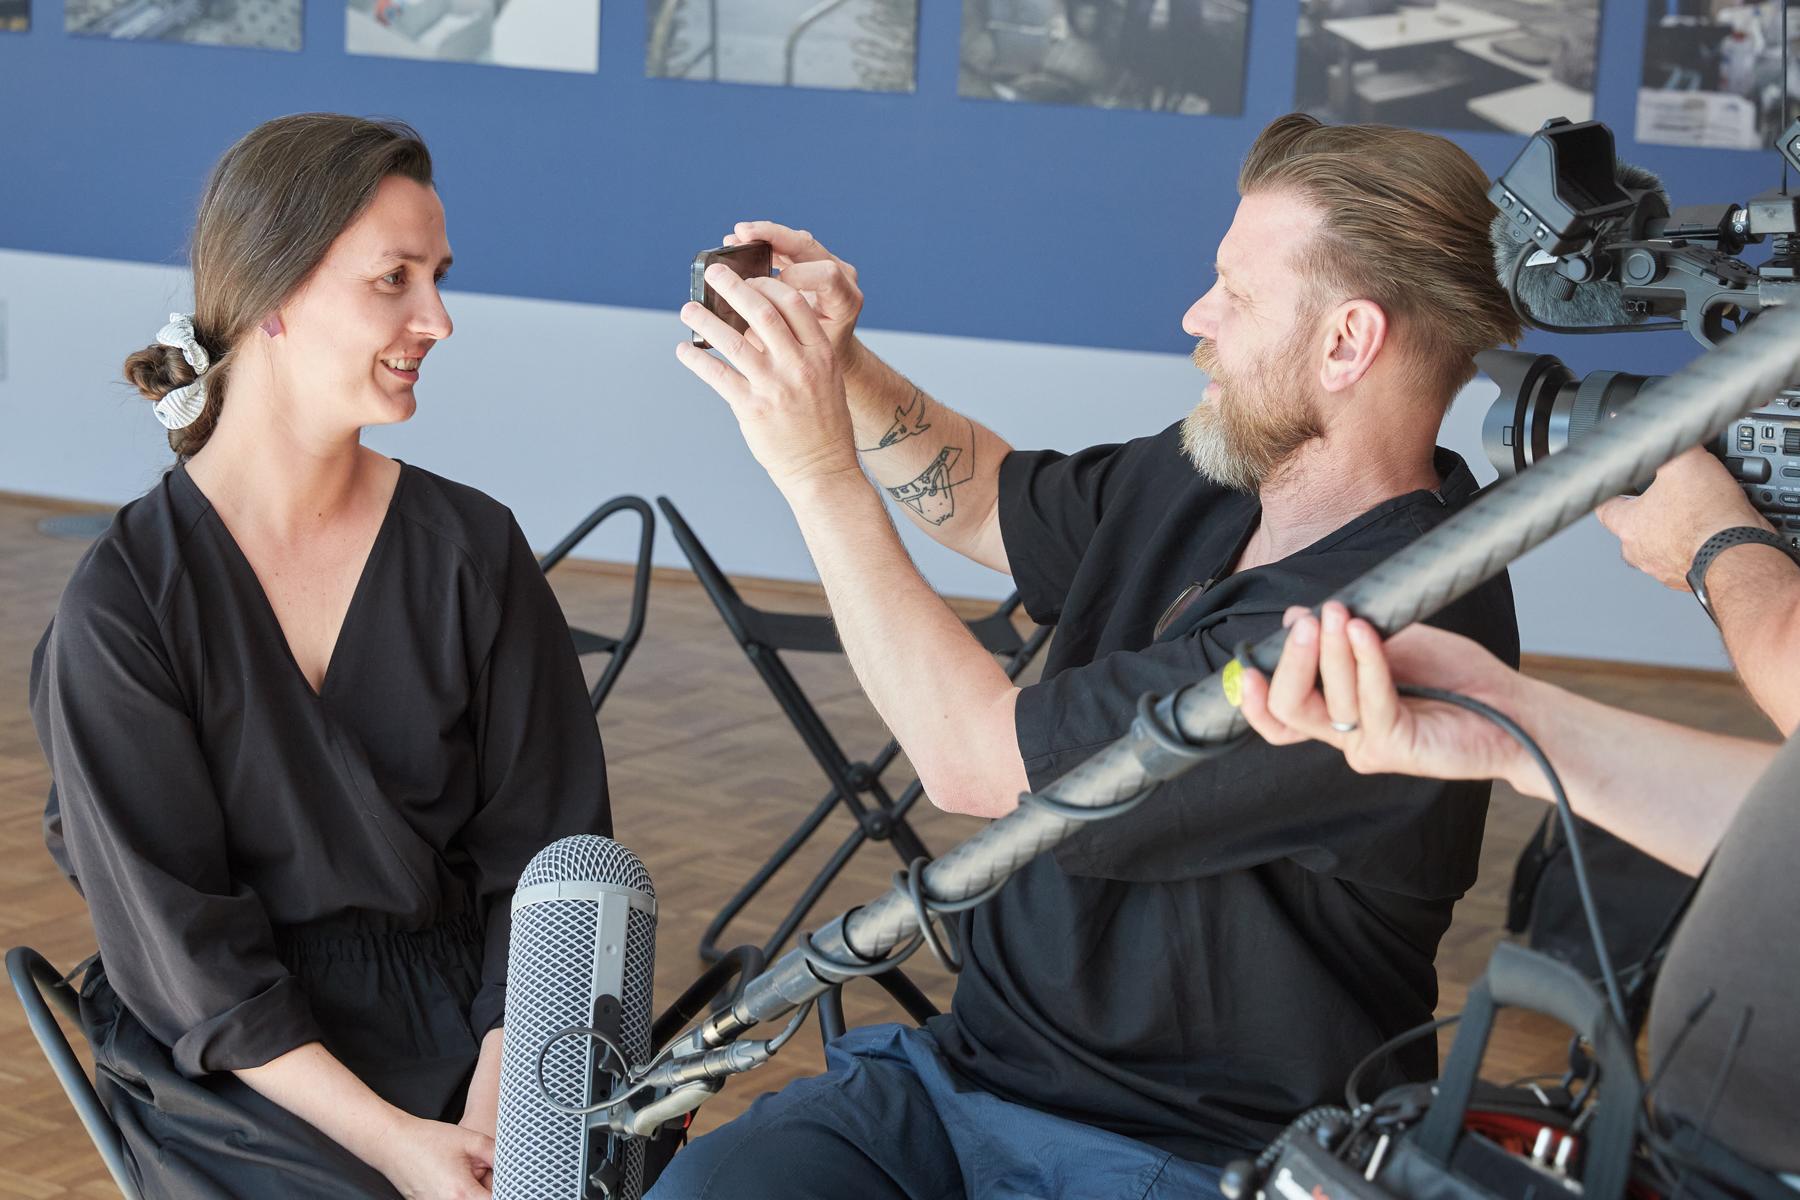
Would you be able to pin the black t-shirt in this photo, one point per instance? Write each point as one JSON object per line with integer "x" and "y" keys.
{"x": 208, "y": 799}
{"x": 1737, "y": 941}
{"x": 1199, "y": 971}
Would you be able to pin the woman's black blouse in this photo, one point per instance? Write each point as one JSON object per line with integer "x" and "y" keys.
{"x": 207, "y": 801}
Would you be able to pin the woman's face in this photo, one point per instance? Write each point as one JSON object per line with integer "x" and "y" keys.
{"x": 355, "y": 335}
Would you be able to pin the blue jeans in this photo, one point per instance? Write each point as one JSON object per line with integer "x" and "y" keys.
{"x": 888, "y": 1121}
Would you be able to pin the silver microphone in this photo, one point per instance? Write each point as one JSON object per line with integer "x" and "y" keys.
{"x": 583, "y": 956}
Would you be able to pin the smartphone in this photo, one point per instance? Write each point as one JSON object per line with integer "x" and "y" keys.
{"x": 748, "y": 259}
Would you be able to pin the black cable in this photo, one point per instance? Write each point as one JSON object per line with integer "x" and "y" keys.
{"x": 911, "y": 880}
{"x": 1738, "y": 1034}
{"x": 823, "y": 964}
{"x": 593, "y": 1034}
{"x": 1082, "y": 812}
{"x": 1679, "y": 1040}
{"x": 1565, "y": 811}
{"x": 781, "y": 1039}
{"x": 1353, "y": 1085}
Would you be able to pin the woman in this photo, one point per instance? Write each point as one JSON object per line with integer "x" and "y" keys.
{"x": 309, "y": 711}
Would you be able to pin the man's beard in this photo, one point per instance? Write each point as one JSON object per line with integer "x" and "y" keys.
{"x": 1252, "y": 426}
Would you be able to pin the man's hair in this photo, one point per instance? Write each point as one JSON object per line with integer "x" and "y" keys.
{"x": 1404, "y": 223}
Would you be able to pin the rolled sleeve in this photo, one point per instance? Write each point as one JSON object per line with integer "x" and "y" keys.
{"x": 251, "y": 1033}
{"x": 1050, "y": 505}
{"x": 189, "y": 949}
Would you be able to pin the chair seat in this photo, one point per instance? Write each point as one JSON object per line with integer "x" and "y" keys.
{"x": 800, "y": 632}
{"x": 587, "y": 642}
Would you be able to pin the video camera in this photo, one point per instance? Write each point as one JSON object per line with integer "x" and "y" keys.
{"x": 1580, "y": 233}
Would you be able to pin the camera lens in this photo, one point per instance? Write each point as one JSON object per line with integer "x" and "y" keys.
{"x": 1543, "y": 407}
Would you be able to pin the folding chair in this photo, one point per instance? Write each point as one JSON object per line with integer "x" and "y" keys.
{"x": 587, "y": 642}
{"x": 39, "y": 985}
{"x": 905, "y": 993}
{"x": 857, "y": 786}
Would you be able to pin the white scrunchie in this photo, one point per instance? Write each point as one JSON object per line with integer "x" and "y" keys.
{"x": 183, "y": 406}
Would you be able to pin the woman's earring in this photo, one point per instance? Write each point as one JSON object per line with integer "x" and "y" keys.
{"x": 272, "y": 326}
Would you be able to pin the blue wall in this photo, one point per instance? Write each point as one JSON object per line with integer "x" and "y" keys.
{"x": 1063, "y": 225}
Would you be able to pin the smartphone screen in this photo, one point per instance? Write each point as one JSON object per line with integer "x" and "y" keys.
{"x": 748, "y": 260}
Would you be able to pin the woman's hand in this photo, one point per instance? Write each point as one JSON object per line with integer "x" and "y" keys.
{"x": 1336, "y": 683}
{"x": 432, "y": 1160}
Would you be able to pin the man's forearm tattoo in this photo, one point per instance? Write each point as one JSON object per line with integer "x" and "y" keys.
{"x": 908, "y": 421}
{"x": 932, "y": 496}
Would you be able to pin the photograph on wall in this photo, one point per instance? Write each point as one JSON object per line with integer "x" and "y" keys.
{"x": 15, "y": 16}
{"x": 1179, "y": 56}
{"x": 1494, "y": 65}
{"x": 849, "y": 45}
{"x": 262, "y": 24}
{"x": 538, "y": 35}
{"x": 1712, "y": 74}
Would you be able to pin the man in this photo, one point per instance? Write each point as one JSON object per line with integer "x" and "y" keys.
{"x": 1724, "y": 1035}
{"x": 1166, "y": 989}
{"x": 1752, "y": 588}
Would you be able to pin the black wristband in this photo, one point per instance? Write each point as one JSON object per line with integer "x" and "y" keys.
{"x": 1722, "y": 541}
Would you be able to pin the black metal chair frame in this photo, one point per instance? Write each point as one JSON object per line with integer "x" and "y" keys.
{"x": 905, "y": 993}
{"x": 879, "y": 815}
{"x": 38, "y": 986}
{"x": 586, "y": 641}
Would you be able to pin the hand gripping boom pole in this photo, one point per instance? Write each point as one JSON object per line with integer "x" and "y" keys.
{"x": 1173, "y": 733}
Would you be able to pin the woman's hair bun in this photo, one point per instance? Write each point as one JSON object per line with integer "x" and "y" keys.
{"x": 157, "y": 370}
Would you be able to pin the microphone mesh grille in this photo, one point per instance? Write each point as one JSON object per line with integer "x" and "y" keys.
{"x": 538, "y": 1151}
{"x": 587, "y": 857}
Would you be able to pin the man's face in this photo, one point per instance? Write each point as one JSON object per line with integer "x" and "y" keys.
{"x": 1260, "y": 347}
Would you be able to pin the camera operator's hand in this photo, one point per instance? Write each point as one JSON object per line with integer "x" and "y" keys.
{"x": 1694, "y": 497}
{"x": 827, "y": 281}
{"x": 786, "y": 389}
{"x": 1336, "y": 669}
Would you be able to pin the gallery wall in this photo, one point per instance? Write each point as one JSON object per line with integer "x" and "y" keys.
{"x": 1030, "y": 262}
{"x": 1033, "y": 222}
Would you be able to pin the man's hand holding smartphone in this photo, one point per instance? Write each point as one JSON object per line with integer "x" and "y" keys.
{"x": 827, "y": 281}
{"x": 776, "y": 367}
{"x": 745, "y": 259}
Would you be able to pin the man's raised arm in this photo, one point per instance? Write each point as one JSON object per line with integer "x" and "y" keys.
{"x": 1754, "y": 589}
{"x": 941, "y": 468}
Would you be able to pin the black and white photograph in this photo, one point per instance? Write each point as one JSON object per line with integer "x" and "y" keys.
{"x": 1178, "y": 56}
{"x": 15, "y": 16}
{"x": 260, "y": 24}
{"x": 539, "y": 35}
{"x": 847, "y": 45}
{"x": 1494, "y": 65}
{"x": 1712, "y": 74}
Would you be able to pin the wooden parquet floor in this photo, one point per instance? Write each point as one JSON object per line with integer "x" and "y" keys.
{"x": 707, "y": 776}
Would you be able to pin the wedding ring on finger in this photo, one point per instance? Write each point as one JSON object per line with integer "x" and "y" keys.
{"x": 1344, "y": 726}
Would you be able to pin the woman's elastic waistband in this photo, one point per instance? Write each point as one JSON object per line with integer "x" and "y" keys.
{"x": 362, "y": 936}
